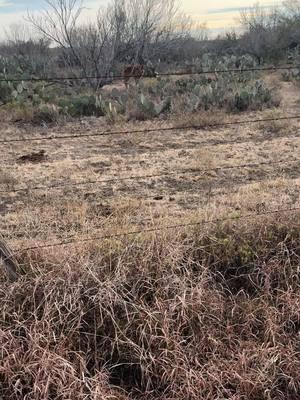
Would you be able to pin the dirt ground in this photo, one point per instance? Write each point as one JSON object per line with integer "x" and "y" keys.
{"x": 79, "y": 210}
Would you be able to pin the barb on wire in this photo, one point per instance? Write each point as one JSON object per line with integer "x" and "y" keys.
{"x": 117, "y": 77}
{"x": 157, "y": 229}
{"x": 152, "y": 130}
{"x": 147, "y": 176}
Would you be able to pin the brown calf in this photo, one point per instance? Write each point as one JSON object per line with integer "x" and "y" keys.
{"x": 137, "y": 72}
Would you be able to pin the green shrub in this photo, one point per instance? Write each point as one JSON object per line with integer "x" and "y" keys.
{"x": 81, "y": 106}
{"x": 5, "y": 93}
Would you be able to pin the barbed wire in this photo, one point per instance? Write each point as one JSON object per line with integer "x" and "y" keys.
{"x": 152, "y": 130}
{"x": 150, "y": 176}
{"x": 157, "y": 229}
{"x": 121, "y": 76}
{"x": 209, "y": 194}
{"x": 147, "y": 176}
{"x": 7, "y": 163}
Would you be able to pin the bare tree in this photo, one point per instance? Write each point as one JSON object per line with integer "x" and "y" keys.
{"x": 58, "y": 23}
{"x": 261, "y": 38}
{"x": 131, "y": 31}
{"x": 290, "y": 22}
{"x": 291, "y": 9}
{"x": 270, "y": 33}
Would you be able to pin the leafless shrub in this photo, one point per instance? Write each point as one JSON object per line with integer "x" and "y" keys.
{"x": 271, "y": 33}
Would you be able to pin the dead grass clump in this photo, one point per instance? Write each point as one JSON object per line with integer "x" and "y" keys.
{"x": 274, "y": 127}
{"x": 45, "y": 114}
{"x": 47, "y": 369}
{"x": 199, "y": 315}
{"x": 204, "y": 119}
{"x": 136, "y": 112}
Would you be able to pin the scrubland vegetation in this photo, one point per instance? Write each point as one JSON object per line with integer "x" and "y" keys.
{"x": 208, "y": 310}
{"x": 147, "y": 99}
{"x": 56, "y": 44}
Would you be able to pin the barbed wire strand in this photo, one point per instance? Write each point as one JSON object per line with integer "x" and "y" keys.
{"x": 155, "y": 198}
{"x": 117, "y": 77}
{"x": 152, "y": 130}
{"x": 171, "y": 197}
{"x": 7, "y": 163}
{"x": 157, "y": 229}
{"x": 148, "y": 176}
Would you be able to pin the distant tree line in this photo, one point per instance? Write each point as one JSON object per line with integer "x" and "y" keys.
{"x": 57, "y": 41}
{"x": 271, "y": 34}
{"x": 126, "y": 32}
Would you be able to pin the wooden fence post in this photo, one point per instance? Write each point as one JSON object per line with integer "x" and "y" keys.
{"x": 8, "y": 262}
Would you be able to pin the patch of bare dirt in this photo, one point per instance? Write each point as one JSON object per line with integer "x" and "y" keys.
{"x": 38, "y": 157}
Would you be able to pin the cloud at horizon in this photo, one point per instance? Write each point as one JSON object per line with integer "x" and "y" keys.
{"x": 231, "y": 9}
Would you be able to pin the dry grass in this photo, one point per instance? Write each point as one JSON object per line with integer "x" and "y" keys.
{"x": 276, "y": 127}
{"x": 201, "y": 315}
{"x": 7, "y": 179}
{"x": 202, "y": 118}
{"x": 39, "y": 116}
{"x": 204, "y": 314}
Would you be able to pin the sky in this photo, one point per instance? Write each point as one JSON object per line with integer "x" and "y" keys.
{"x": 220, "y": 15}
